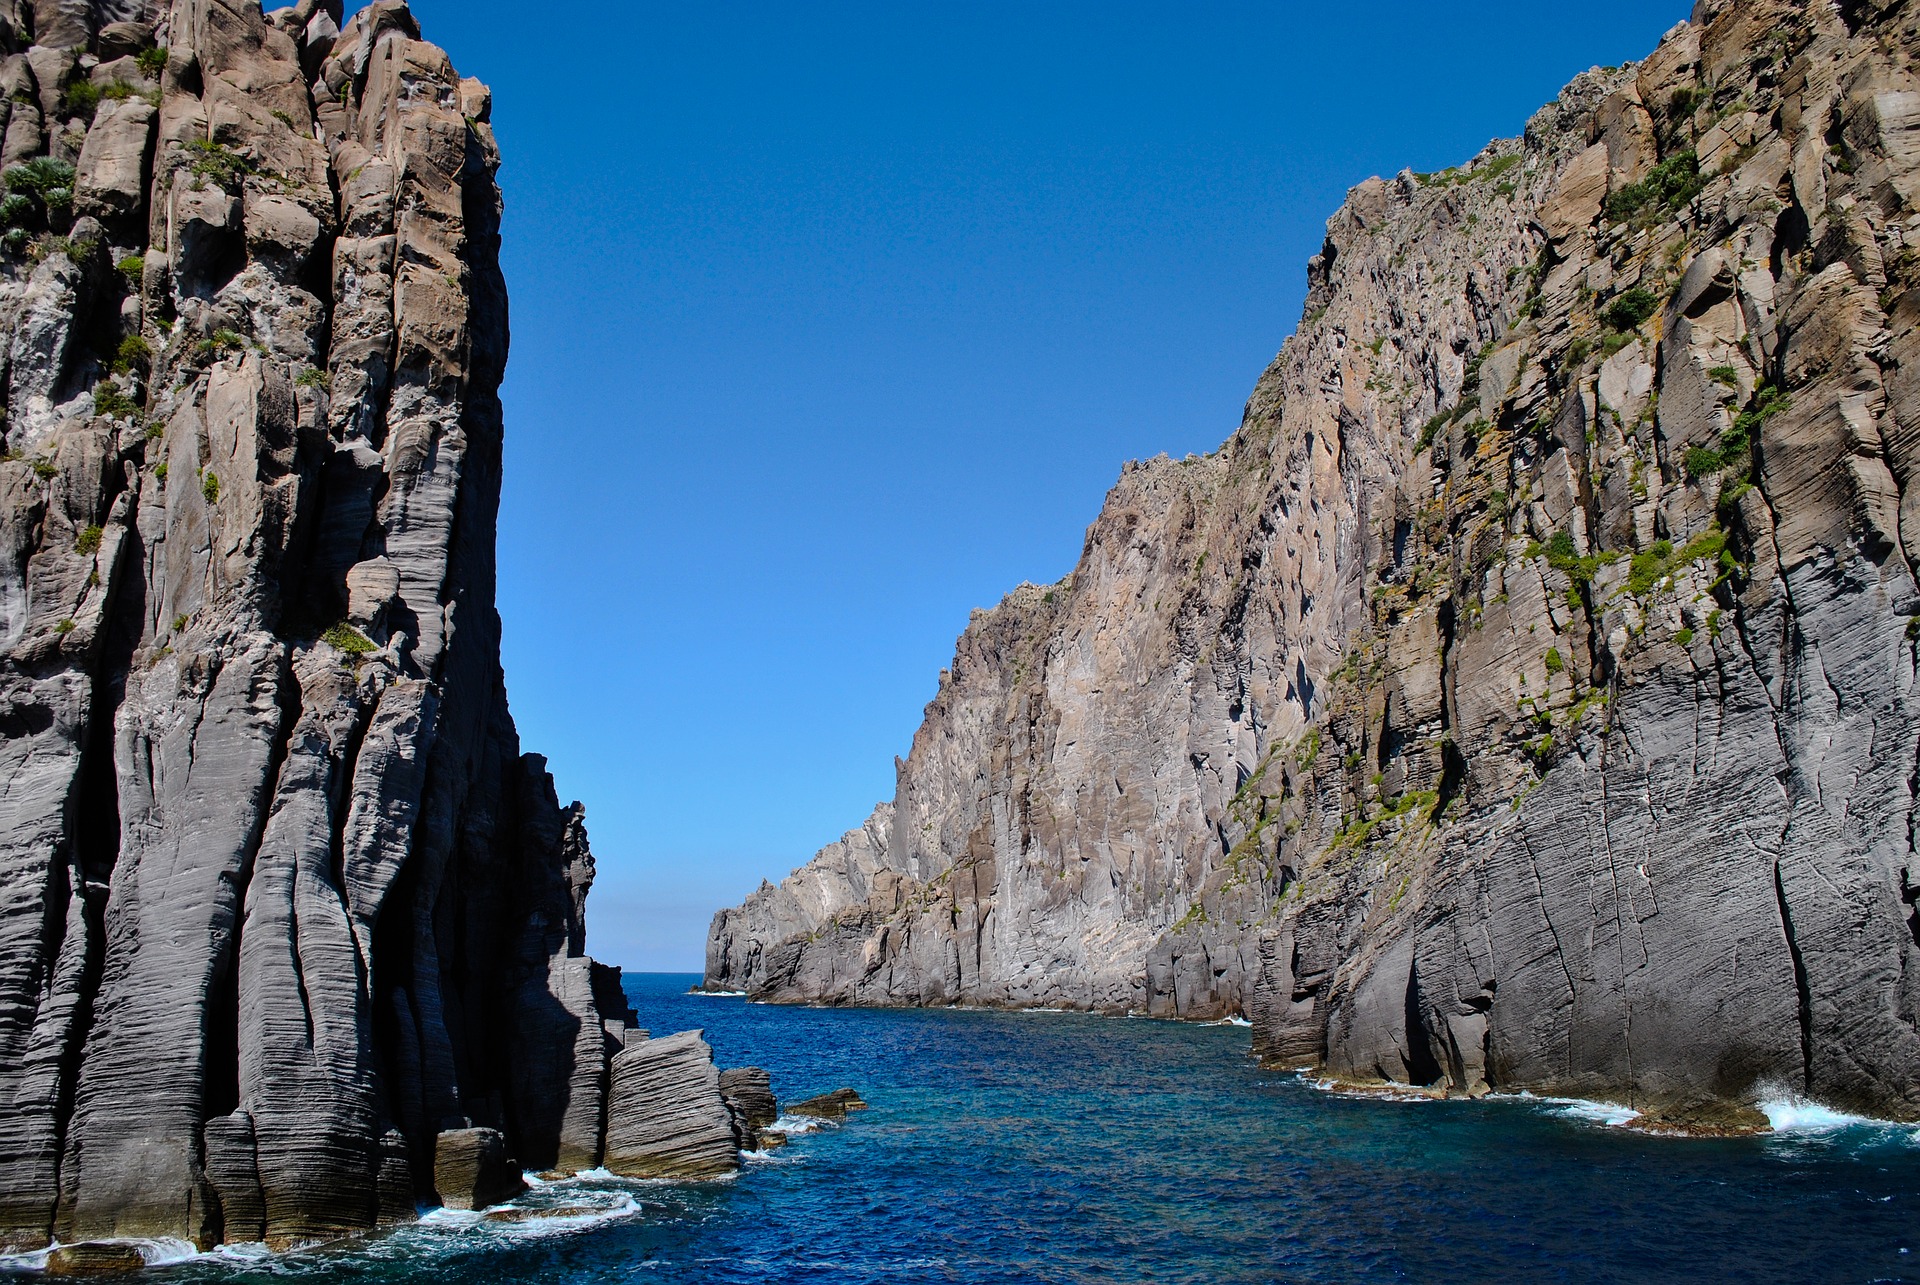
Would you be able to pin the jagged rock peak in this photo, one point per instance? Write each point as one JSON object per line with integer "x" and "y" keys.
{"x": 1523, "y": 695}
{"x": 292, "y": 932}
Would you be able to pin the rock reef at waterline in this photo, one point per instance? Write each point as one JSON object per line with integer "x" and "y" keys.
{"x": 291, "y": 930}
{"x": 1524, "y": 696}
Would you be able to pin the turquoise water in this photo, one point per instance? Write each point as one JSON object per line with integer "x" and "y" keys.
{"x": 1041, "y": 1147}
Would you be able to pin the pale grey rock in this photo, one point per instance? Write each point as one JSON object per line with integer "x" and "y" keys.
{"x": 1484, "y": 714}
{"x": 371, "y": 586}
{"x": 666, "y": 1117}
{"x": 113, "y": 169}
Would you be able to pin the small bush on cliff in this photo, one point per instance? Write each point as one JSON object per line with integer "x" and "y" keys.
{"x": 88, "y": 541}
{"x": 1736, "y": 444}
{"x": 44, "y": 182}
{"x": 110, "y": 402}
{"x": 1562, "y": 556}
{"x": 134, "y": 353}
{"x": 348, "y": 639}
{"x": 152, "y": 61}
{"x": 210, "y": 487}
{"x": 218, "y": 162}
{"x": 82, "y": 99}
{"x": 1673, "y": 183}
{"x": 1631, "y": 310}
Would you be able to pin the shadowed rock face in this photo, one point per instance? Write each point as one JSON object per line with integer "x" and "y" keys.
{"x": 287, "y": 920}
{"x": 1524, "y": 695}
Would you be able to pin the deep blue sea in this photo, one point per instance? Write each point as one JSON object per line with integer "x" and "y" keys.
{"x": 1052, "y": 1147}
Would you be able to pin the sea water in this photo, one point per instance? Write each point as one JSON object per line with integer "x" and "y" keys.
{"x": 1056, "y": 1147}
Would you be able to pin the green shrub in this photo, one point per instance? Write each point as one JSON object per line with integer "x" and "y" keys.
{"x": 82, "y": 99}
{"x": 160, "y": 470}
{"x": 1631, "y": 310}
{"x": 211, "y": 160}
{"x": 1704, "y": 461}
{"x": 45, "y": 469}
{"x": 1685, "y": 100}
{"x": 179, "y": 624}
{"x": 311, "y": 378}
{"x": 134, "y": 266}
{"x": 15, "y": 206}
{"x": 210, "y": 487}
{"x": 1560, "y": 554}
{"x": 1657, "y": 563}
{"x": 348, "y": 639}
{"x": 1431, "y": 430}
{"x": 110, "y": 402}
{"x": 1555, "y": 665}
{"x": 1737, "y": 442}
{"x": 88, "y": 541}
{"x": 221, "y": 341}
{"x": 64, "y": 627}
{"x": 1684, "y": 637}
{"x": 152, "y": 61}
{"x": 134, "y": 353}
{"x": 1673, "y": 183}
{"x": 43, "y": 178}
{"x": 1725, "y": 375}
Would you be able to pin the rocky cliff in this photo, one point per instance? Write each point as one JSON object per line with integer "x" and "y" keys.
{"x": 1524, "y": 696}
{"x": 291, "y": 932}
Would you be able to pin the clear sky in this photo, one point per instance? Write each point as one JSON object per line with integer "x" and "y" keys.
{"x": 835, "y": 321}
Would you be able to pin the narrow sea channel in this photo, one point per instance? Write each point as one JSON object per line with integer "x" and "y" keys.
{"x": 1045, "y": 1147}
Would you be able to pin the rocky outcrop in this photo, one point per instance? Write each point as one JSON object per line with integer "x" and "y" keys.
{"x": 667, "y": 1117}
{"x": 1523, "y": 695}
{"x": 748, "y": 1091}
{"x": 291, "y": 931}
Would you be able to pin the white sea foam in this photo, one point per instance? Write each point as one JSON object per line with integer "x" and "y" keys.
{"x": 1791, "y": 1113}
{"x": 1613, "y": 1115}
{"x": 718, "y": 994}
{"x": 161, "y": 1251}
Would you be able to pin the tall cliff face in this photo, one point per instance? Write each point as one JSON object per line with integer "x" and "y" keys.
{"x": 291, "y": 931}
{"x": 1525, "y": 694}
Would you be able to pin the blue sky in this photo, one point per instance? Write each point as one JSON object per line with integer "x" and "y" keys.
{"x": 835, "y": 321}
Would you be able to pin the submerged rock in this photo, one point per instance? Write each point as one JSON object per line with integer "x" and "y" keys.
{"x": 95, "y": 1258}
{"x": 1523, "y": 696}
{"x": 1704, "y": 1118}
{"x": 829, "y": 1106}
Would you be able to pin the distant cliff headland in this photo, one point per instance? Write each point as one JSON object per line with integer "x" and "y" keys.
{"x": 1524, "y": 696}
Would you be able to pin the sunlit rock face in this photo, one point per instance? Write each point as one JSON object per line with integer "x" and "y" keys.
{"x": 1524, "y": 695}
{"x": 290, "y": 929}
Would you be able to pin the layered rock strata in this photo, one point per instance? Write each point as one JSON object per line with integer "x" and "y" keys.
{"x": 291, "y": 931}
{"x": 1524, "y": 696}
